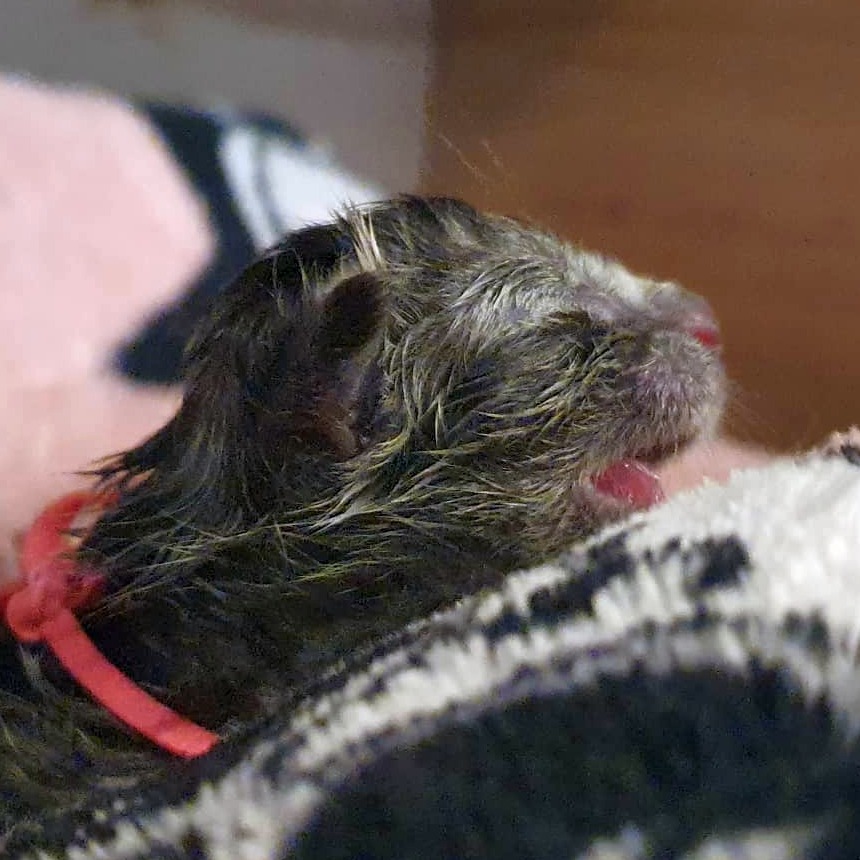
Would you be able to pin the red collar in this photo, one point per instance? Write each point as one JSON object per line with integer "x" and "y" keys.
{"x": 38, "y": 608}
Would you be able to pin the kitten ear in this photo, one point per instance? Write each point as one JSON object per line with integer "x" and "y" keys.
{"x": 269, "y": 309}
{"x": 313, "y": 378}
{"x": 351, "y": 316}
{"x": 275, "y": 365}
{"x": 346, "y": 389}
{"x": 283, "y": 373}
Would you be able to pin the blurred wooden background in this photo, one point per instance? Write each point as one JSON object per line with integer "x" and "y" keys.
{"x": 712, "y": 141}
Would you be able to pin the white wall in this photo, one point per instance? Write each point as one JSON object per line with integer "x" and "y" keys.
{"x": 363, "y": 95}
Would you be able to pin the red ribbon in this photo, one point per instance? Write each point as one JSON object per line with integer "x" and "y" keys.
{"x": 39, "y": 608}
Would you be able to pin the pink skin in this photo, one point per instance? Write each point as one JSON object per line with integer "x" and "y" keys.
{"x": 714, "y": 461}
{"x": 631, "y": 482}
{"x": 642, "y": 487}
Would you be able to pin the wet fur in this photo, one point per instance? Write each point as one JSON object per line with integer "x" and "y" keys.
{"x": 377, "y": 409}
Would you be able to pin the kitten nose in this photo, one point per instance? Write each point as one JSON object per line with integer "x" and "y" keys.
{"x": 707, "y": 332}
{"x": 686, "y": 312}
{"x": 698, "y": 320}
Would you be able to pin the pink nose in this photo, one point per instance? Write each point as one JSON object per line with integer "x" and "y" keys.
{"x": 698, "y": 321}
{"x": 707, "y": 334}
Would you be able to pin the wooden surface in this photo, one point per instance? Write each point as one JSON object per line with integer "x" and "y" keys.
{"x": 712, "y": 141}
{"x": 352, "y": 21}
